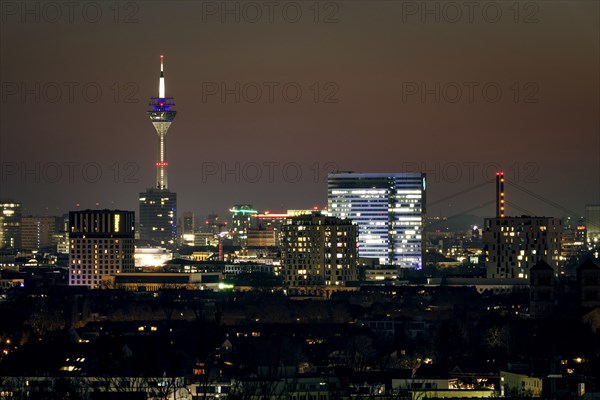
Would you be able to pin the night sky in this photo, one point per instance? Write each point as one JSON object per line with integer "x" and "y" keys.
{"x": 367, "y": 71}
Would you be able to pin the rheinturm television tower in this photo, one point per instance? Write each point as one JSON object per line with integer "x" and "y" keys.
{"x": 162, "y": 116}
{"x": 158, "y": 205}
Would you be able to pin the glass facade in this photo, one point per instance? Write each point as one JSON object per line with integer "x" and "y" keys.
{"x": 389, "y": 210}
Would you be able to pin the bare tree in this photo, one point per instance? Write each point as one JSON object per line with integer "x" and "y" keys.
{"x": 45, "y": 319}
{"x": 497, "y": 337}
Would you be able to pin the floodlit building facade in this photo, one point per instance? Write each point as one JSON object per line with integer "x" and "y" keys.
{"x": 151, "y": 256}
{"x": 263, "y": 238}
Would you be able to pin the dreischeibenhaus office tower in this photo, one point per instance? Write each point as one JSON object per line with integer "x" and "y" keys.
{"x": 158, "y": 205}
{"x": 389, "y": 209}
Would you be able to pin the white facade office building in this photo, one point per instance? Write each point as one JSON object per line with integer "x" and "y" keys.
{"x": 389, "y": 210}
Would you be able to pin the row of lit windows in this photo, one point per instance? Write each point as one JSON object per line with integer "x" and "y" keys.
{"x": 84, "y": 282}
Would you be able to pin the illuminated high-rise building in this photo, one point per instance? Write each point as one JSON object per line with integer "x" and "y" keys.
{"x": 158, "y": 210}
{"x": 188, "y": 228}
{"x": 389, "y": 209}
{"x": 39, "y": 232}
{"x": 240, "y": 222}
{"x": 10, "y": 224}
{"x": 513, "y": 245}
{"x": 158, "y": 205}
{"x": 101, "y": 243}
{"x": 573, "y": 241}
{"x": 317, "y": 250}
{"x": 61, "y": 237}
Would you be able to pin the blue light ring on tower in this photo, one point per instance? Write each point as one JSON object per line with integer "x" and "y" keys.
{"x": 161, "y": 111}
{"x": 161, "y": 103}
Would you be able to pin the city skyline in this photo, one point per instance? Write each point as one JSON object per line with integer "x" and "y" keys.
{"x": 358, "y": 200}
{"x": 387, "y": 121}
{"x": 458, "y": 204}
